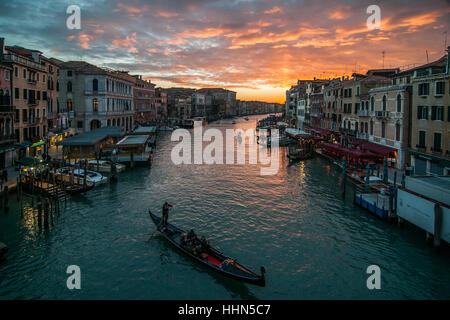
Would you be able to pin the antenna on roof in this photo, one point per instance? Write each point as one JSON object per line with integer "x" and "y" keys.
{"x": 427, "y": 56}
{"x": 445, "y": 40}
{"x": 383, "y": 53}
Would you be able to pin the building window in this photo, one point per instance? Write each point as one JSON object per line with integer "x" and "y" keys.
{"x": 24, "y": 94}
{"x": 95, "y": 105}
{"x": 422, "y": 112}
{"x": 37, "y": 77}
{"x": 384, "y": 103}
{"x": 448, "y": 114}
{"x": 422, "y": 137}
{"x": 95, "y": 85}
{"x": 440, "y": 87}
{"x": 16, "y": 72}
{"x": 69, "y": 73}
{"x": 69, "y": 105}
{"x": 437, "y": 142}
{"x": 16, "y": 93}
{"x": 383, "y": 129}
{"x": 437, "y": 113}
{"x": 397, "y": 131}
{"x": 69, "y": 86}
{"x": 399, "y": 103}
{"x": 372, "y": 103}
{"x": 24, "y": 73}
{"x": 424, "y": 89}
{"x": 80, "y": 124}
{"x": 7, "y": 75}
{"x": 371, "y": 127}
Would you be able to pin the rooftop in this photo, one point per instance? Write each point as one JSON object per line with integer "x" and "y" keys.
{"x": 133, "y": 140}
{"x": 92, "y": 137}
{"x": 145, "y": 130}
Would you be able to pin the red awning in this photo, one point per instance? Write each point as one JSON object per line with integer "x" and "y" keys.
{"x": 376, "y": 148}
{"x": 353, "y": 153}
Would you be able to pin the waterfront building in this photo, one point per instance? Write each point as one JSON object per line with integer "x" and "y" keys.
{"x": 332, "y": 117}
{"x": 96, "y": 97}
{"x": 28, "y": 92}
{"x": 317, "y": 106}
{"x": 226, "y": 99}
{"x": 7, "y": 137}
{"x": 199, "y": 104}
{"x": 144, "y": 100}
{"x": 388, "y": 118}
{"x": 161, "y": 104}
{"x": 430, "y": 117}
{"x": 56, "y": 118}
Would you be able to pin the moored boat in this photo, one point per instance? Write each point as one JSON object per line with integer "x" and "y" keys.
{"x": 78, "y": 175}
{"x": 104, "y": 166}
{"x": 209, "y": 256}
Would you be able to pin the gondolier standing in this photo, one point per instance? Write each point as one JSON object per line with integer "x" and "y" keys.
{"x": 165, "y": 213}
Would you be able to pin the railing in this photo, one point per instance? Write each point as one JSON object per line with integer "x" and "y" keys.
{"x": 32, "y": 103}
{"x": 23, "y": 61}
{"x": 382, "y": 114}
{"x": 6, "y": 108}
{"x": 32, "y": 81}
{"x": 421, "y": 148}
{"x": 362, "y": 135}
{"x": 363, "y": 113}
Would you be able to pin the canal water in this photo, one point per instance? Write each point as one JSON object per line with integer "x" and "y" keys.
{"x": 313, "y": 243}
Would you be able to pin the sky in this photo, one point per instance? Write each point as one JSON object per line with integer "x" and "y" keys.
{"x": 256, "y": 48}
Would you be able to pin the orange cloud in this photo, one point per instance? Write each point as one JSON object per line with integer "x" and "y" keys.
{"x": 127, "y": 43}
{"x": 273, "y": 10}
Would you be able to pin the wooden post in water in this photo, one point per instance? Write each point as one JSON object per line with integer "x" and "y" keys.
{"x": 6, "y": 199}
{"x": 344, "y": 177}
{"x": 437, "y": 225}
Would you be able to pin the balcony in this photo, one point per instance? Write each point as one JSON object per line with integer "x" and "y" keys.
{"x": 32, "y": 103}
{"x": 32, "y": 81}
{"x": 8, "y": 138}
{"x": 382, "y": 114}
{"x": 421, "y": 148}
{"x": 436, "y": 152}
{"x": 363, "y": 113}
{"x": 23, "y": 61}
{"x": 362, "y": 135}
{"x": 6, "y": 108}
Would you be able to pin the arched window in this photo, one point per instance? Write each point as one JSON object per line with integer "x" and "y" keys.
{"x": 397, "y": 131}
{"x": 372, "y": 103}
{"x": 399, "y": 103}
{"x": 371, "y": 127}
{"x": 69, "y": 86}
{"x": 95, "y": 85}
{"x": 94, "y": 105}
{"x": 384, "y": 103}
{"x": 69, "y": 105}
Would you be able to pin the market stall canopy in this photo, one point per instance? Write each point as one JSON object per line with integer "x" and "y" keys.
{"x": 28, "y": 162}
{"x": 133, "y": 140}
{"x": 353, "y": 153}
{"x": 145, "y": 130}
{"x": 38, "y": 144}
{"x": 376, "y": 148}
{"x": 297, "y": 133}
{"x": 323, "y": 132}
{"x": 93, "y": 137}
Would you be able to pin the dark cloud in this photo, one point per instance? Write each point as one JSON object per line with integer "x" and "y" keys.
{"x": 237, "y": 44}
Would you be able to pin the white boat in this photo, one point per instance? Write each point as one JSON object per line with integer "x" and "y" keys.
{"x": 78, "y": 174}
{"x": 104, "y": 166}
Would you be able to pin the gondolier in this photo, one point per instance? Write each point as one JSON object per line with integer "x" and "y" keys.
{"x": 165, "y": 213}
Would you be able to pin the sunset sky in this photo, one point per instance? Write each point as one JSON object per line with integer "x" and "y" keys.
{"x": 257, "y": 48}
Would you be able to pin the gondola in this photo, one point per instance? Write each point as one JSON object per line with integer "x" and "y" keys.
{"x": 210, "y": 256}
